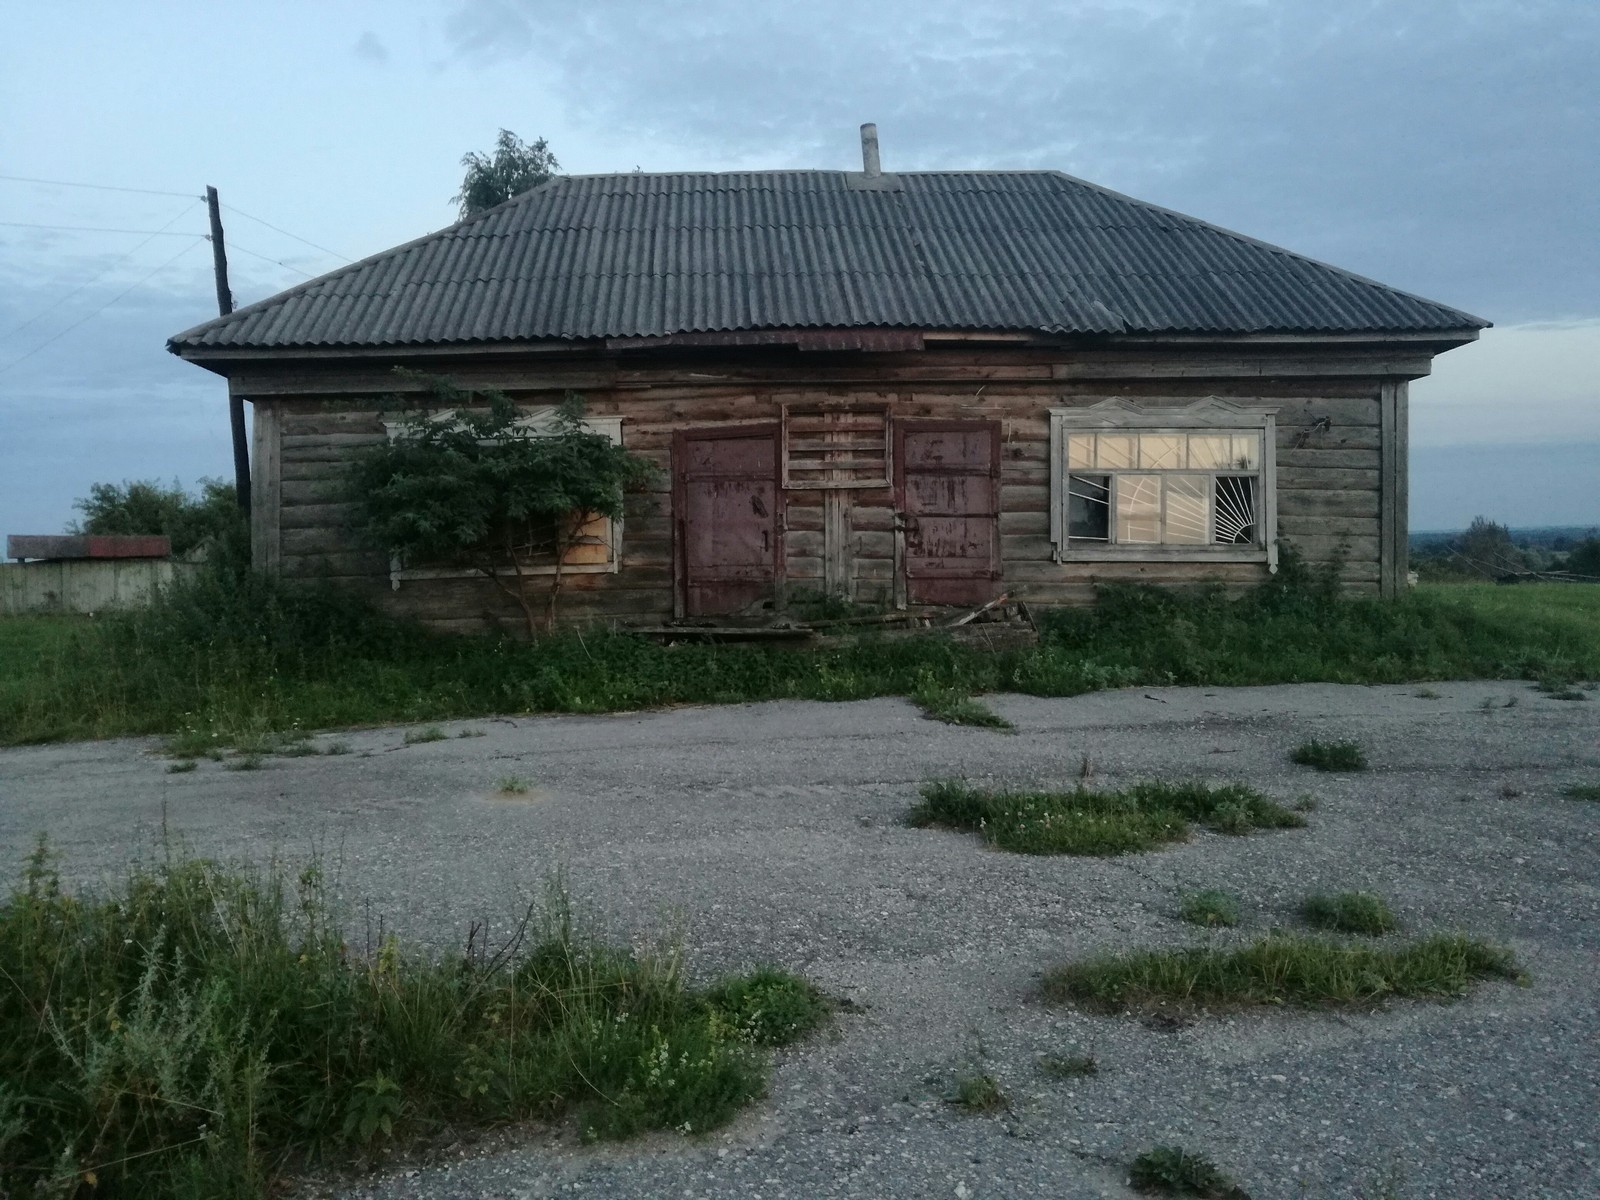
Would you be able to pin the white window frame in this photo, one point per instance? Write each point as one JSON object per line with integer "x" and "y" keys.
{"x": 541, "y": 422}
{"x": 1212, "y": 414}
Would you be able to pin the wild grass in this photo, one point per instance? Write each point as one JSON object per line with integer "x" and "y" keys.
{"x": 1306, "y": 971}
{"x": 512, "y": 785}
{"x": 979, "y": 1094}
{"x": 1069, "y": 1066}
{"x": 202, "y": 1028}
{"x": 1210, "y": 907}
{"x": 1088, "y": 822}
{"x": 224, "y": 658}
{"x": 1330, "y": 756}
{"x": 1350, "y": 912}
{"x": 954, "y": 706}
{"x": 1582, "y": 791}
{"x": 1170, "y": 1171}
{"x": 421, "y": 737}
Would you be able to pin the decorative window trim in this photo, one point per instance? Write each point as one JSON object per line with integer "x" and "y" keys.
{"x": 1210, "y": 413}
{"x": 824, "y": 474}
{"x": 541, "y": 422}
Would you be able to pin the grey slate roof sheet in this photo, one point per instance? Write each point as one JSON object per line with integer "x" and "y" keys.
{"x": 646, "y": 255}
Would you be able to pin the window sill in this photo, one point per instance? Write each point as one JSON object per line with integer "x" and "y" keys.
{"x": 1197, "y": 554}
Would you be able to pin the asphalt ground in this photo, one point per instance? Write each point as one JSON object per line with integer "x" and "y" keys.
{"x": 773, "y": 833}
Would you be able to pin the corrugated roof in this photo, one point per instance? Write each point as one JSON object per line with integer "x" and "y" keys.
{"x": 638, "y": 255}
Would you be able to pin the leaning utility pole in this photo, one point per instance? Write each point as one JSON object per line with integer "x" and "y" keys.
{"x": 219, "y": 260}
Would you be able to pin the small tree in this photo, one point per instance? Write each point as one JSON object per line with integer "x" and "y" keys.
{"x": 210, "y": 519}
{"x": 478, "y": 490}
{"x": 1488, "y": 545}
{"x": 513, "y": 168}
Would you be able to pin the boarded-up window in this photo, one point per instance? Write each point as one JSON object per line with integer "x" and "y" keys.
{"x": 836, "y": 448}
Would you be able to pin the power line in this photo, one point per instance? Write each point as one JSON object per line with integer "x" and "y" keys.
{"x": 101, "y": 273}
{"x": 286, "y": 233}
{"x": 131, "y": 287}
{"x": 98, "y": 187}
{"x": 93, "y": 228}
{"x": 233, "y": 245}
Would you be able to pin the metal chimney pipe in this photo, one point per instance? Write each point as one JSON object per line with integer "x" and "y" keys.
{"x": 869, "y": 149}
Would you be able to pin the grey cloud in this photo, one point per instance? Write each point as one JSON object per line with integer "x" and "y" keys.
{"x": 1430, "y": 143}
{"x": 369, "y": 47}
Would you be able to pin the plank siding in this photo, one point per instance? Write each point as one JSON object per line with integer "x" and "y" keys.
{"x": 1339, "y": 471}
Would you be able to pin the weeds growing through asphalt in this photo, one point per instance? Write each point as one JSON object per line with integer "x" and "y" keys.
{"x": 419, "y": 737}
{"x": 191, "y": 1034}
{"x": 770, "y": 1006}
{"x": 1210, "y": 907}
{"x": 1170, "y": 1171}
{"x": 182, "y": 766}
{"x": 1069, "y": 1066}
{"x": 1084, "y": 821}
{"x": 512, "y": 785}
{"x": 1350, "y": 912}
{"x": 1312, "y": 972}
{"x": 1583, "y": 791}
{"x": 245, "y": 762}
{"x": 954, "y": 706}
{"x": 979, "y": 1094}
{"x": 1330, "y": 756}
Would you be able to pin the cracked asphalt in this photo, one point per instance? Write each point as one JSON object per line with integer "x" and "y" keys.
{"x": 773, "y": 833}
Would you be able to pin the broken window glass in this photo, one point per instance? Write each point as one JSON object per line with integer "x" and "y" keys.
{"x": 1089, "y": 507}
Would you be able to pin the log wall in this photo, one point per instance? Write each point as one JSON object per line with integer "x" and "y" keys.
{"x": 1340, "y": 454}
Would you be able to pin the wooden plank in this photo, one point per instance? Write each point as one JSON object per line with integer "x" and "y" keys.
{"x": 266, "y": 544}
{"x": 315, "y": 491}
{"x": 316, "y": 516}
{"x": 1329, "y": 478}
{"x": 1024, "y": 498}
{"x": 1329, "y": 503}
{"x": 1313, "y": 457}
{"x": 1313, "y": 524}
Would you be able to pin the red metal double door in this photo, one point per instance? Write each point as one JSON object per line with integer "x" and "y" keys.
{"x": 729, "y": 525}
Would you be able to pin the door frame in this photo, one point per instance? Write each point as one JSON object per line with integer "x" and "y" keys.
{"x": 680, "y": 458}
{"x": 941, "y": 425}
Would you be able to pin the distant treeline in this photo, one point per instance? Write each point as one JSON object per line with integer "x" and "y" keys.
{"x": 1489, "y": 550}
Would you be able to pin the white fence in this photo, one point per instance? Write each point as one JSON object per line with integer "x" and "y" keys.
{"x": 84, "y": 585}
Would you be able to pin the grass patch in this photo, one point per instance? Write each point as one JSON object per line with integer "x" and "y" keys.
{"x": 201, "y": 1030}
{"x": 246, "y": 762}
{"x": 1582, "y": 791}
{"x": 224, "y": 658}
{"x": 979, "y": 1094}
{"x": 1085, "y": 821}
{"x": 954, "y": 706}
{"x": 182, "y": 766}
{"x": 1350, "y": 912}
{"x": 1169, "y": 1171}
{"x": 512, "y": 785}
{"x": 420, "y": 737}
{"x": 1069, "y": 1066}
{"x": 1210, "y": 907}
{"x": 771, "y": 1007}
{"x": 1330, "y": 756}
{"x": 1312, "y": 972}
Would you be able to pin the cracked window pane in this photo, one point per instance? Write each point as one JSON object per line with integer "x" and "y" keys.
{"x": 1089, "y": 507}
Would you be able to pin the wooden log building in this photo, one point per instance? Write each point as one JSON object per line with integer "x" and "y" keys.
{"x": 900, "y": 389}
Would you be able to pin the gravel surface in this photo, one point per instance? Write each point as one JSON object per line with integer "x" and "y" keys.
{"x": 772, "y": 833}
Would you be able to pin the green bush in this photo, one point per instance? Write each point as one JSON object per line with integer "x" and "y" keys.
{"x": 1084, "y": 821}
{"x": 184, "y": 1035}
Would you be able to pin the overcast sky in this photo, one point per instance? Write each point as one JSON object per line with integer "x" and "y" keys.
{"x": 1449, "y": 147}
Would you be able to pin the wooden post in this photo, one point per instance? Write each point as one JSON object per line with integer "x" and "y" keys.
{"x": 219, "y": 262}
